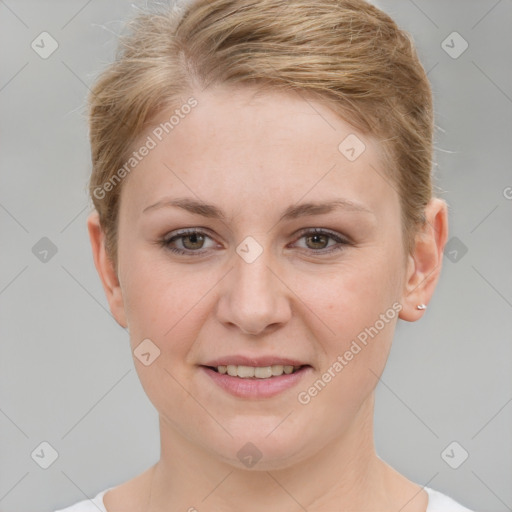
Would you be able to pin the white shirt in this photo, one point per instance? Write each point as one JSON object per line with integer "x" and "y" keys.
{"x": 437, "y": 502}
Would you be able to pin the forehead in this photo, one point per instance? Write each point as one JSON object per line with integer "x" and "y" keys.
{"x": 249, "y": 145}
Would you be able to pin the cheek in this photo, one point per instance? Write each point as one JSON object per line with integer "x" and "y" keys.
{"x": 358, "y": 305}
{"x": 353, "y": 293}
{"x": 165, "y": 303}
{"x": 157, "y": 308}
{"x": 166, "y": 308}
{"x": 155, "y": 298}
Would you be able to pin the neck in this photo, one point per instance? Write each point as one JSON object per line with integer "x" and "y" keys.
{"x": 345, "y": 474}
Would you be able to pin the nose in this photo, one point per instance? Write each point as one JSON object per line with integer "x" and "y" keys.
{"x": 254, "y": 297}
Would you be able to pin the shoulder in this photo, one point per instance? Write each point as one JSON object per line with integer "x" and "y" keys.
{"x": 439, "y": 502}
{"x": 93, "y": 505}
{"x": 130, "y": 496}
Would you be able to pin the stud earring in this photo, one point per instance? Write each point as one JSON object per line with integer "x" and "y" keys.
{"x": 421, "y": 306}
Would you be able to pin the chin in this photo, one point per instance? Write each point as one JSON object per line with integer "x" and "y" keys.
{"x": 253, "y": 448}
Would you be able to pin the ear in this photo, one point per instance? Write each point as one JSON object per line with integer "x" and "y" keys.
{"x": 425, "y": 262}
{"x": 106, "y": 269}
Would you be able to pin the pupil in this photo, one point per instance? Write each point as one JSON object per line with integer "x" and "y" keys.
{"x": 195, "y": 239}
{"x": 317, "y": 239}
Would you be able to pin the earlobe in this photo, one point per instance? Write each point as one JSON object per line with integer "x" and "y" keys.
{"x": 106, "y": 270}
{"x": 425, "y": 262}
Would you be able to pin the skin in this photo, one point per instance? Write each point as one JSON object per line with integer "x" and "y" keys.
{"x": 253, "y": 156}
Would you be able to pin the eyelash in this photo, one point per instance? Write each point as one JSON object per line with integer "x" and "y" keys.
{"x": 166, "y": 241}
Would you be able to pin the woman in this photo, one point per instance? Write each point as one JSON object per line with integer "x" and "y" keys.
{"x": 263, "y": 217}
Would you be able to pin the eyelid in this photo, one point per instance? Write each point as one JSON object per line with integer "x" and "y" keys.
{"x": 187, "y": 231}
{"x": 323, "y": 231}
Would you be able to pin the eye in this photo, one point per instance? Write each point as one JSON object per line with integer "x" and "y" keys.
{"x": 318, "y": 240}
{"x": 193, "y": 242}
{"x": 189, "y": 242}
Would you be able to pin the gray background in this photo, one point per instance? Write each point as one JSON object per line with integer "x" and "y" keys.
{"x": 67, "y": 376}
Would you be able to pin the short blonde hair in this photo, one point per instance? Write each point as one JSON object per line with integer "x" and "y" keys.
{"x": 346, "y": 53}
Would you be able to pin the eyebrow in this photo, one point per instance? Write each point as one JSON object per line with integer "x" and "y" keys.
{"x": 292, "y": 212}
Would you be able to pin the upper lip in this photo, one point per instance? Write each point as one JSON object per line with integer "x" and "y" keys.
{"x": 254, "y": 361}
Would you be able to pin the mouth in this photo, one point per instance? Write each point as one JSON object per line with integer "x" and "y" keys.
{"x": 256, "y": 379}
{"x": 256, "y": 372}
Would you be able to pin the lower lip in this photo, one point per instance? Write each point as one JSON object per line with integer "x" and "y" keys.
{"x": 256, "y": 388}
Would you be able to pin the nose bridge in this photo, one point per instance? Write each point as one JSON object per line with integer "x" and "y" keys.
{"x": 253, "y": 298}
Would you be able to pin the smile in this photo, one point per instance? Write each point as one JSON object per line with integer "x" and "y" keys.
{"x": 256, "y": 382}
{"x": 256, "y": 372}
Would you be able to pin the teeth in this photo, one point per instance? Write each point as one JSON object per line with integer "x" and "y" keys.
{"x": 258, "y": 372}
{"x": 263, "y": 372}
{"x": 277, "y": 369}
{"x": 245, "y": 371}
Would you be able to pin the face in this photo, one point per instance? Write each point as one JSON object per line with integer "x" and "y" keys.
{"x": 249, "y": 238}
